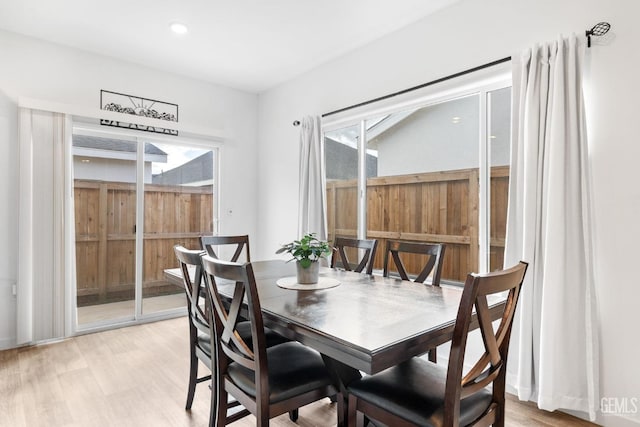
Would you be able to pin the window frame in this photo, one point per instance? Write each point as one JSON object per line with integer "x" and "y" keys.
{"x": 481, "y": 85}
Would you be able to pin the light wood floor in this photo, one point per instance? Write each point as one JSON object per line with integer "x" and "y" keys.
{"x": 137, "y": 376}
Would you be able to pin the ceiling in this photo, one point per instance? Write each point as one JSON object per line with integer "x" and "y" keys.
{"x": 251, "y": 45}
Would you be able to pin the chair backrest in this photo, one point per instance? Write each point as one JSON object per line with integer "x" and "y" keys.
{"x": 340, "y": 259}
{"x": 491, "y": 367}
{"x": 241, "y": 242}
{"x": 230, "y": 346}
{"x": 191, "y": 267}
{"x": 434, "y": 251}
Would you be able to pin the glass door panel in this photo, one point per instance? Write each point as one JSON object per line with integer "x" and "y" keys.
{"x": 178, "y": 209}
{"x": 499, "y": 102}
{"x": 341, "y": 157}
{"x": 104, "y": 171}
{"x": 426, "y": 186}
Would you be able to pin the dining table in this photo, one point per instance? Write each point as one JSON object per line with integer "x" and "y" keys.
{"x": 367, "y": 323}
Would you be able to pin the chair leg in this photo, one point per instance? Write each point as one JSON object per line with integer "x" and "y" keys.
{"x": 262, "y": 419}
{"x": 342, "y": 416}
{"x": 499, "y": 386}
{"x": 352, "y": 411}
{"x": 193, "y": 379}
{"x": 433, "y": 355}
{"x": 219, "y": 396}
{"x": 293, "y": 415}
{"x": 499, "y": 417}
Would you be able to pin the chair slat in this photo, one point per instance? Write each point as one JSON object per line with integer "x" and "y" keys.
{"x": 434, "y": 262}
{"x": 340, "y": 258}
{"x": 241, "y": 242}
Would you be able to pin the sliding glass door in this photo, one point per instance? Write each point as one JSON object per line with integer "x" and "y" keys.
{"x": 104, "y": 170}
{"x": 135, "y": 198}
{"x": 178, "y": 209}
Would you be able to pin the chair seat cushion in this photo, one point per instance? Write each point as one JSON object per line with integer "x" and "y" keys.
{"x": 244, "y": 330}
{"x": 271, "y": 338}
{"x": 204, "y": 343}
{"x": 293, "y": 369}
{"x": 414, "y": 391}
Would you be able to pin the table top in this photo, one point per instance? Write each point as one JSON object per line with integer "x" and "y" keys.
{"x": 368, "y": 322}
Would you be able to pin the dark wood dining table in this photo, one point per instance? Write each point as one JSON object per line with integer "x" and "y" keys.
{"x": 367, "y": 323}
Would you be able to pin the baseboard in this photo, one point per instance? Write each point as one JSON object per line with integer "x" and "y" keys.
{"x": 611, "y": 420}
{"x": 7, "y": 343}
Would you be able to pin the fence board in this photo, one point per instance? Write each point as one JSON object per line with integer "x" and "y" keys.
{"x": 439, "y": 207}
{"x": 105, "y": 218}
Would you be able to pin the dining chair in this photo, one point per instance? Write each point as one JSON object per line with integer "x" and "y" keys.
{"x": 266, "y": 381}
{"x": 241, "y": 242}
{"x": 418, "y": 392}
{"x": 199, "y": 326}
{"x": 435, "y": 257}
{"x": 434, "y": 252}
{"x": 340, "y": 259}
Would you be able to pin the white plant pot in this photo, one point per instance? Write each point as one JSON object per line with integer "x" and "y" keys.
{"x": 309, "y": 275}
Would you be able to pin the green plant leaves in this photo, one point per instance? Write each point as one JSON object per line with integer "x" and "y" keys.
{"x": 305, "y": 263}
{"x": 306, "y": 250}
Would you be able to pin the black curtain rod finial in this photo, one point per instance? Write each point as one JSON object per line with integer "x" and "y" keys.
{"x": 600, "y": 29}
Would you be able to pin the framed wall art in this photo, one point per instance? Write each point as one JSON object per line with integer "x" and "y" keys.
{"x": 138, "y": 106}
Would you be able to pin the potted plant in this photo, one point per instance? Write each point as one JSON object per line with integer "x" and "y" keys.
{"x": 307, "y": 252}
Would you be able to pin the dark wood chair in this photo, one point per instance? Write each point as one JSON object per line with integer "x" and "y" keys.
{"x": 199, "y": 325}
{"x": 266, "y": 381}
{"x": 434, "y": 251}
{"x": 421, "y": 393}
{"x": 199, "y": 330}
{"x": 339, "y": 257}
{"x": 241, "y": 242}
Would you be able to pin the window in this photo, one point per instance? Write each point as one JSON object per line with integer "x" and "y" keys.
{"x": 433, "y": 171}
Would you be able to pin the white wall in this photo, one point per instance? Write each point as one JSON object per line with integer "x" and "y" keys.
{"x": 45, "y": 71}
{"x": 428, "y": 141}
{"x": 467, "y": 34}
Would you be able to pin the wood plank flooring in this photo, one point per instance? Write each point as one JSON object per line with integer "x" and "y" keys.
{"x": 137, "y": 376}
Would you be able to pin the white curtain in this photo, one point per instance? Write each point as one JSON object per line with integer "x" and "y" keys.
{"x": 554, "y": 349}
{"x": 312, "y": 217}
{"x": 43, "y": 265}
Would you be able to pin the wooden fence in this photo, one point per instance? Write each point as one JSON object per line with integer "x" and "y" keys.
{"x": 105, "y": 221}
{"x": 437, "y": 207}
{"x": 440, "y": 207}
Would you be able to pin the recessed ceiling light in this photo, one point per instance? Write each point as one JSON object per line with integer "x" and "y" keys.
{"x": 455, "y": 119}
{"x": 179, "y": 28}
{"x": 493, "y": 137}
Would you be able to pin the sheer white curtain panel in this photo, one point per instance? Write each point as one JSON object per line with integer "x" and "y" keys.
{"x": 45, "y": 141}
{"x": 554, "y": 349}
{"x": 312, "y": 217}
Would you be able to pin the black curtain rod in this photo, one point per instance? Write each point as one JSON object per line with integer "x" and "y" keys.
{"x": 440, "y": 80}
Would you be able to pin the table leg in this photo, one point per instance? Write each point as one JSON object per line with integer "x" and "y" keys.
{"x": 342, "y": 376}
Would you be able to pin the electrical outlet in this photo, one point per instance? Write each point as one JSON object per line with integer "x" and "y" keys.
{"x": 14, "y": 289}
